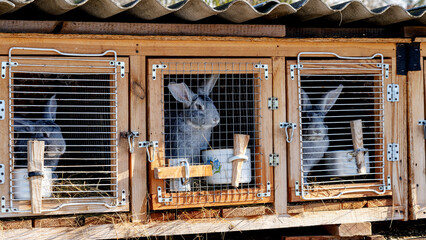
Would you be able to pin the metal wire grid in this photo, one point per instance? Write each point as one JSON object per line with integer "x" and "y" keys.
{"x": 86, "y": 114}
{"x": 333, "y": 169}
{"x": 236, "y": 96}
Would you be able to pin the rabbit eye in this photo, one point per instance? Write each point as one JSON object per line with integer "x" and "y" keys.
{"x": 199, "y": 107}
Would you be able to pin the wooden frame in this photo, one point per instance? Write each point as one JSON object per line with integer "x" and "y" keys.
{"x": 155, "y": 128}
{"x": 392, "y": 111}
{"x": 123, "y": 153}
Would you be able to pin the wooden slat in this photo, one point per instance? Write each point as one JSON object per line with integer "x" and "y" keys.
{"x": 416, "y": 142}
{"x": 171, "y": 29}
{"x": 358, "y": 142}
{"x": 414, "y": 31}
{"x": 35, "y": 164}
{"x": 350, "y": 229}
{"x": 138, "y": 166}
{"x": 201, "y": 226}
{"x": 280, "y": 144}
{"x": 179, "y": 172}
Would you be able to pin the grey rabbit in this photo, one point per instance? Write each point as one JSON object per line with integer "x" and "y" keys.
{"x": 188, "y": 130}
{"x": 314, "y": 131}
{"x": 44, "y": 130}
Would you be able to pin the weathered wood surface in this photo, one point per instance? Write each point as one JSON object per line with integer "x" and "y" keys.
{"x": 358, "y": 142}
{"x": 350, "y": 229}
{"x": 36, "y": 164}
{"x": 240, "y": 146}
{"x": 183, "y": 227}
{"x": 179, "y": 171}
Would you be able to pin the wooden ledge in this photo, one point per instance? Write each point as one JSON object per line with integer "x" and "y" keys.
{"x": 197, "y": 226}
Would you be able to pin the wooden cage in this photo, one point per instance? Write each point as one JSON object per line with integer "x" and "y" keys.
{"x": 268, "y": 73}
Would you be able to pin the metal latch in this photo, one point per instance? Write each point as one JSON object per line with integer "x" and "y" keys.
{"x": 3, "y": 67}
{"x": 293, "y": 69}
{"x": 131, "y": 140}
{"x": 160, "y": 197}
{"x": 392, "y": 92}
{"x": 2, "y": 173}
{"x": 286, "y": 126}
{"x": 147, "y": 144}
{"x": 265, "y": 67}
{"x": 273, "y": 103}
{"x": 154, "y": 69}
{"x": 268, "y": 191}
{"x": 121, "y": 65}
{"x": 423, "y": 123}
{"x": 393, "y": 152}
{"x": 296, "y": 187}
{"x": 274, "y": 159}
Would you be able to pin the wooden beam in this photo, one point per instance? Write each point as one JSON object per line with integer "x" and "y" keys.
{"x": 199, "y": 226}
{"x": 35, "y": 165}
{"x": 179, "y": 172}
{"x": 350, "y": 229}
{"x": 414, "y": 31}
{"x": 120, "y": 28}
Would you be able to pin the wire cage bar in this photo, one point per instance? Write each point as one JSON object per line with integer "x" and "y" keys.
{"x": 203, "y": 105}
{"x": 69, "y": 101}
{"x": 333, "y": 92}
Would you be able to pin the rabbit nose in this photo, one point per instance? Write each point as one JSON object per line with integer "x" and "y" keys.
{"x": 216, "y": 120}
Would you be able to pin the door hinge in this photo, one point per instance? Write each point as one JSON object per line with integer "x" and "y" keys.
{"x": 265, "y": 67}
{"x": 273, "y": 103}
{"x": 392, "y": 92}
{"x": 274, "y": 159}
{"x": 4, "y": 65}
{"x": 393, "y": 152}
{"x": 293, "y": 69}
{"x": 268, "y": 191}
{"x": 161, "y": 198}
{"x": 296, "y": 188}
{"x": 154, "y": 69}
{"x": 388, "y": 185}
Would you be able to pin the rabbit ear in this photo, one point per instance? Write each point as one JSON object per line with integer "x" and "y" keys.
{"x": 181, "y": 93}
{"x": 23, "y": 125}
{"x": 50, "y": 109}
{"x": 306, "y": 103}
{"x": 208, "y": 85}
{"x": 330, "y": 98}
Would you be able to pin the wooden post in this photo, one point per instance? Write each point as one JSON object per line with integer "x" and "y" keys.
{"x": 357, "y": 140}
{"x": 240, "y": 147}
{"x": 35, "y": 164}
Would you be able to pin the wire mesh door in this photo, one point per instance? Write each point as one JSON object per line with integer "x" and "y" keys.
{"x": 339, "y": 104}
{"x": 76, "y": 106}
{"x": 196, "y": 108}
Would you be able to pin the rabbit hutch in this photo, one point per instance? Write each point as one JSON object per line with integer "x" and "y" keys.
{"x": 235, "y": 118}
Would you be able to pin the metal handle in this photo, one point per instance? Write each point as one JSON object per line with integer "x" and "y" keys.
{"x": 185, "y": 163}
{"x": 146, "y": 145}
{"x": 131, "y": 140}
{"x": 286, "y": 126}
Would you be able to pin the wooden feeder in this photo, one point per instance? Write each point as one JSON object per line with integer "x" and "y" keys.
{"x": 240, "y": 147}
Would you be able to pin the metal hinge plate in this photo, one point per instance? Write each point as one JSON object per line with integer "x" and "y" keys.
{"x": 161, "y": 199}
{"x": 296, "y": 187}
{"x": 145, "y": 144}
{"x": 423, "y": 123}
{"x": 274, "y": 159}
{"x": 393, "y": 152}
{"x": 273, "y": 103}
{"x": 4, "y": 65}
{"x": 2, "y": 173}
{"x": 293, "y": 69}
{"x": 392, "y": 92}
{"x": 154, "y": 69}
{"x": 3, "y": 204}
{"x": 388, "y": 185}
{"x": 121, "y": 65}
{"x": 2, "y": 109}
{"x": 265, "y": 67}
{"x": 268, "y": 191}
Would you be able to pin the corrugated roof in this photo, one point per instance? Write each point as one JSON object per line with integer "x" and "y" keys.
{"x": 238, "y": 11}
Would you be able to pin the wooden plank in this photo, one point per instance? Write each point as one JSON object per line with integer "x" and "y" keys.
{"x": 414, "y": 31}
{"x": 121, "y": 28}
{"x": 200, "y": 226}
{"x": 244, "y": 211}
{"x": 350, "y": 229}
{"x": 358, "y": 142}
{"x": 416, "y": 141}
{"x": 198, "y": 214}
{"x": 354, "y": 204}
{"x": 280, "y": 144}
{"x": 107, "y": 219}
{"x": 36, "y": 165}
{"x": 162, "y": 216}
{"x": 384, "y": 202}
{"x": 316, "y": 207}
{"x": 16, "y": 224}
{"x": 179, "y": 172}
{"x": 138, "y": 163}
